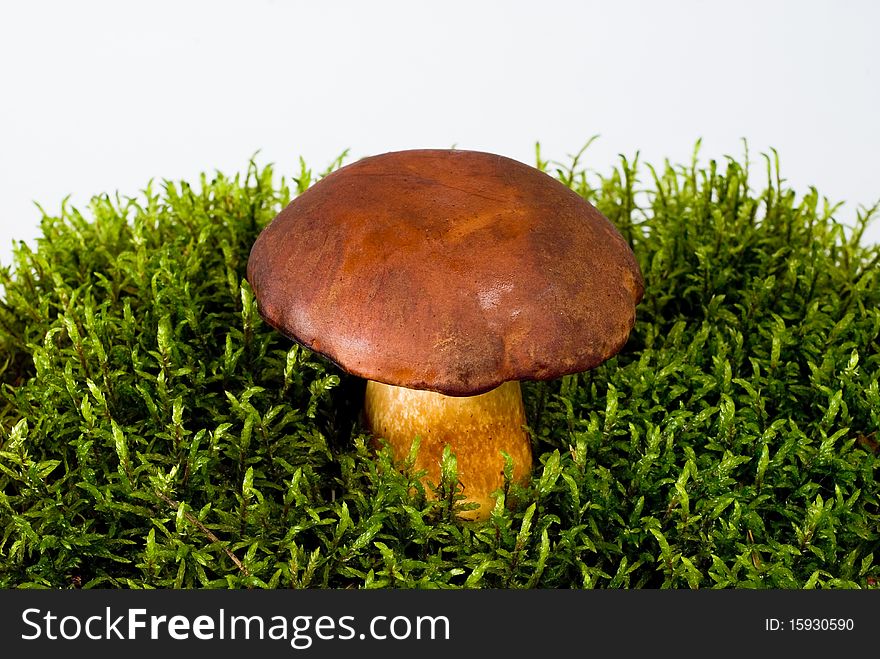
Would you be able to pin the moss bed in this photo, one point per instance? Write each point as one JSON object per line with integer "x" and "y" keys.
{"x": 155, "y": 433}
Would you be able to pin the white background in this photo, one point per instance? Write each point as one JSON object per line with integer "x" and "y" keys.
{"x": 103, "y": 96}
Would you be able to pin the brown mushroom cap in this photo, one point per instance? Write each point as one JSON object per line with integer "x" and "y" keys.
{"x": 447, "y": 270}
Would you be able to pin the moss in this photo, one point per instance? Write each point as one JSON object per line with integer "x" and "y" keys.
{"x": 154, "y": 432}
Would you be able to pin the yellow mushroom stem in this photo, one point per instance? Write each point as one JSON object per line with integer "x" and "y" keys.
{"x": 476, "y": 428}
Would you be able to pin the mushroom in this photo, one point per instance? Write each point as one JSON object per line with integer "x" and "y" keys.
{"x": 445, "y": 277}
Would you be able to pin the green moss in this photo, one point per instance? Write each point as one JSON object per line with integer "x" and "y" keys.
{"x": 154, "y": 432}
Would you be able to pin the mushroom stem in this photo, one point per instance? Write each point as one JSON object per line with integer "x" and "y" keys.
{"x": 476, "y": 428}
